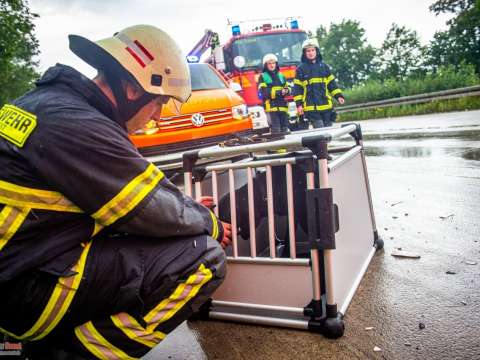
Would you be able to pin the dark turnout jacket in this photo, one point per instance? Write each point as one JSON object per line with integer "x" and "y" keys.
{"x": 70, "y": 172}
{"x": 315, "y": 85}
{"x": 270, "y": 86}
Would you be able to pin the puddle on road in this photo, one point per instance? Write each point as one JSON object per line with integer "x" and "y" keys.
{"x": 457, "y": 134}
{"x": 407, "y": 152}
{"x": 473, "y": 154}
{"x": 456, "y": 144}
{"x": 423, "y": 152}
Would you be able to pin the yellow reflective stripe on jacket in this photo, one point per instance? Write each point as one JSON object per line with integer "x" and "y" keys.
{"x": 262, "y": 85}
{"x": 268, "y": 108}
{"x": 130, "y": 327}
{"x": 298, "y": 98}
{"x": 182, "y": 294}
{"x": 335, "y": 92}
{"x": 97, "y": 344}
{"x": 22, "y": 196}
{"x": 298, "y": 82}
{"x": 129, "y": 197}
{"x": 11, "y": 218}
{"x": 277, "y": 109}
{"x": 214, "y": 226}
{"x": 59, "y": 301}
{"x": 317, "y": 80}
{"x": 318, "y": 107}
{"x": 274, "y": 91}
{"x": 330, "y": 78}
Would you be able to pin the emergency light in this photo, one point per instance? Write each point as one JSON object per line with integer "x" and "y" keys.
{"x": 235, "y": 30}
{"x": 193, "y": 59}
{"x": 294, "y": 24}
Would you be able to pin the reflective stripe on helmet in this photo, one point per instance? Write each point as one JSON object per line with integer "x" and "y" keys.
{"x": 136, "y": 49}
{"x": 146, "y": 53}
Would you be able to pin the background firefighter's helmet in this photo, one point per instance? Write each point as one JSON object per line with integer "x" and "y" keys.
{"x": 269, "y": 57}
{"x": 312, "y": 42}
{"x": 143, "y": 55}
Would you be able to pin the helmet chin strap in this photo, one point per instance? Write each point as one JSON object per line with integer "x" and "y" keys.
{"x": 126, "y": 108}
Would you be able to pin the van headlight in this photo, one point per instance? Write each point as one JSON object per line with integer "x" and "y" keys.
{"x": 239, "y": 112}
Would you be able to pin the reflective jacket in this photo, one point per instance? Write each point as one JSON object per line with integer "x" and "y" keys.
{"x": 69, "y": 172}
{"x": 270, "y": 86}
{"x": 314, "y": 86}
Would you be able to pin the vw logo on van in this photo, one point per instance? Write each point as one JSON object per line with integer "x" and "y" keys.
{"x": 197, "y": 120}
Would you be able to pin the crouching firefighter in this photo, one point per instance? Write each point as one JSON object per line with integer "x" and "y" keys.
{"x": 273, "y": 87}
{"x": 101, "y": 256}
{"x": 314, "y": 87}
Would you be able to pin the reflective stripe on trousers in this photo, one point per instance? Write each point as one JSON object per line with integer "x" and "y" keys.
{"x": 58, "y": 303}
{"x": 19, "y": 200}
{"x": 100, "y": 342}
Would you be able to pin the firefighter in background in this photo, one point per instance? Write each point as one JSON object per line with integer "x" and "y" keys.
{"x": 101, "y": 256}
{"x": 314, "y": 87}
{"x": 272, "y": 86}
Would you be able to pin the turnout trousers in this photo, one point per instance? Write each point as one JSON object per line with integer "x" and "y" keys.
{"x": 278, "y": 121}
{"x": 132, "y": 293}
{"x": 320, "y": 119}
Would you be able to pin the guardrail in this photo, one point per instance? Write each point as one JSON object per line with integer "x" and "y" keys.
{"x": 413, "y": 99}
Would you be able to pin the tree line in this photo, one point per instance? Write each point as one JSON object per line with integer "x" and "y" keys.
{"x": 18, "y": 48}
{"x": 344, "y": 46}
{"x": 401, "y": 55}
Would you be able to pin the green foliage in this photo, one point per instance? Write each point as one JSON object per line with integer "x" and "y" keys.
{"x": 344, "y": 47}
{"x": 446, "y": 77}
{"x": 18, "y": 46}
{"x": 463, "y": 103}
{"x": 401, "y": 53}
{"x": 461, "y": 42}
{"x": 402, "y": 58}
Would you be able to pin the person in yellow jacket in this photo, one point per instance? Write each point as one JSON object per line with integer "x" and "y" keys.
{"x": 315, "y": 86}
{"x": 101, "y": 256}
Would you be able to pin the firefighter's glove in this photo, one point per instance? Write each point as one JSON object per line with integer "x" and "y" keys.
{"x": 227, "y": 235}
{"x": 207, "y": 201}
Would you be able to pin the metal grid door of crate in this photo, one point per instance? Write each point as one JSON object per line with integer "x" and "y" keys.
{"x": 294, "y": 291}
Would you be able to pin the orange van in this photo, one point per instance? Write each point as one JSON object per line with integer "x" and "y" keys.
{"x": 214, "y": 113}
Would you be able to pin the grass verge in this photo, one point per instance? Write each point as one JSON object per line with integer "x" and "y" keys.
{"x": 437, "y": 106}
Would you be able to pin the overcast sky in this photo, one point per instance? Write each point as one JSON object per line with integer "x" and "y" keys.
{"x": 187, "y": 20}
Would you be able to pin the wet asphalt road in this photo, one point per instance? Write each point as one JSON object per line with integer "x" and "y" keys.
{"x": 425, "y": 178}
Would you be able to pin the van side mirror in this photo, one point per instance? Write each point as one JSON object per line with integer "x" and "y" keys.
{"x": 235, "y": 86}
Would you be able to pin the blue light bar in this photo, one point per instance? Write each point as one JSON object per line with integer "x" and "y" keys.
{"x": 235, "y": 30}
{"x": 294, "y": 24}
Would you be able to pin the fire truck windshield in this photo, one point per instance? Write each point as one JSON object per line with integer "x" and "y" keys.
{"x": 286, "y": 46}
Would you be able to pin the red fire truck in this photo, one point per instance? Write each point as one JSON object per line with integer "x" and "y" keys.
{"x": 240, "y": 58}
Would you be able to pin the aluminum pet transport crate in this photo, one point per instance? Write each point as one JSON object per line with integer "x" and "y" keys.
{"x": 303, "y": 226}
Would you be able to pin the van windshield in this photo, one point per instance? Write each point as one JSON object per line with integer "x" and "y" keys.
{"x": 204, "y": 78}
